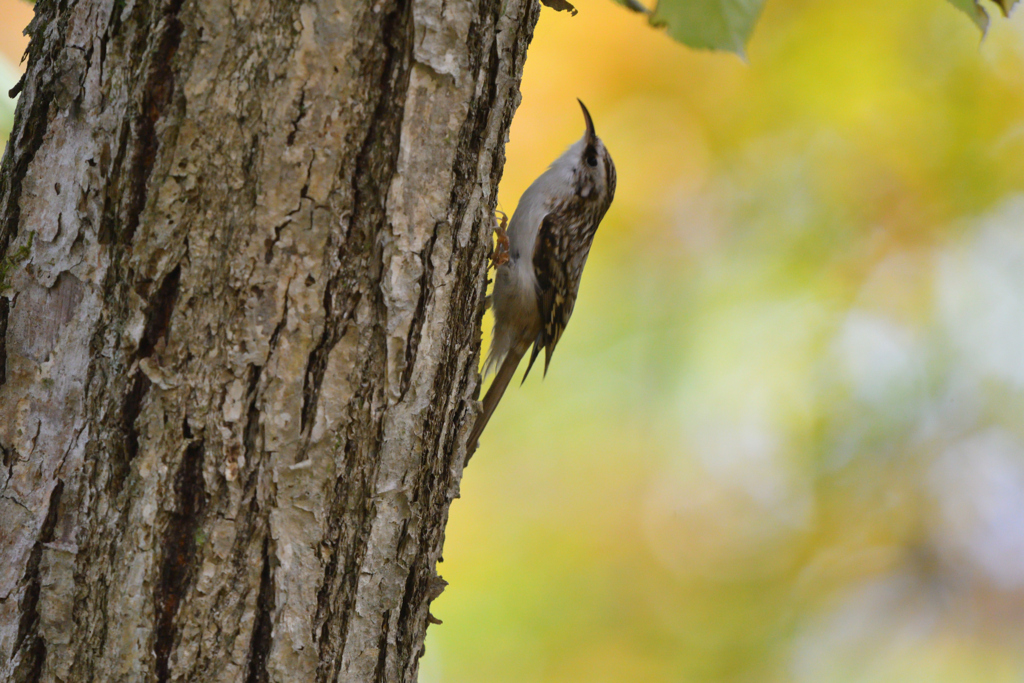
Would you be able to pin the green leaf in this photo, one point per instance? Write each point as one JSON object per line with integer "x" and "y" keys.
{"x": 977, "y": 13}
{"x": 1005, "y": 5}
{"x": 727, "y": 24}
{"x": 974, "y": 10}
{"x": 709, "y": 24}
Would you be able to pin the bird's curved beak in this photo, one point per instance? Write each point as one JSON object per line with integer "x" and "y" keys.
{"x": 591, "y": 135}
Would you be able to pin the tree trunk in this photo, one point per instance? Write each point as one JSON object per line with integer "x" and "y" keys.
{"x": 245, "y": 253}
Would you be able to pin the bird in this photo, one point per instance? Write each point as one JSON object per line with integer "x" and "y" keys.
{"x": 548, "y": 241}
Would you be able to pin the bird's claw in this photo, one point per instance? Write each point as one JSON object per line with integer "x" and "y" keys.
{"x": 500, "y": 255}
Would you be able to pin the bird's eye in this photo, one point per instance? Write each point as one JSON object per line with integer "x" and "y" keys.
{"x": 592, "y": 161}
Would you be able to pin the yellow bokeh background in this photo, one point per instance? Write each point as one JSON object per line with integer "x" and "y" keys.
{"x": 782, "y": 437}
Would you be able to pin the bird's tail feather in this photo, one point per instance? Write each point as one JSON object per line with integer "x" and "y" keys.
{"x": 494, "y": 394}
{"x": 501, "y": 344}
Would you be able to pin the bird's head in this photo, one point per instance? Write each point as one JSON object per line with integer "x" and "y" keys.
{"x": 593, "y": 170}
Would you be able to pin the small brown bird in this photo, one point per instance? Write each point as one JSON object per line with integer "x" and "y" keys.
{"x": 548, "y": 240}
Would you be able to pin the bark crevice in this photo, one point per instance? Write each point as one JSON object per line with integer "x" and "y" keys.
{"x": 159, "y": 318}
{"x": 426, "y": 287}
{"x": 179, "y": 552}
{"x": 29, "y": 641}
{"x": 337, "y": 593}
{"x": 380, "y": 674}
{"x": 130, "y": 410}
{"x": 262, "y": 632}
{"x": 5, "y": 309}
{"x": 158, "y": 91}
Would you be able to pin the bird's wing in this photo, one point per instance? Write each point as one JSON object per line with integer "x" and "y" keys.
{"x": 556, "y": 288}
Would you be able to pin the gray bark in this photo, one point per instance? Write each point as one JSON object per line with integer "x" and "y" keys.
{"x": 244, "y": 254}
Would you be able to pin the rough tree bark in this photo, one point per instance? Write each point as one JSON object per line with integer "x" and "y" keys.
{"x": 244, "y": 252}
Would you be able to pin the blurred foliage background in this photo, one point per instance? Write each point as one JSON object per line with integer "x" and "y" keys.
{"x": 782, "y": 438}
